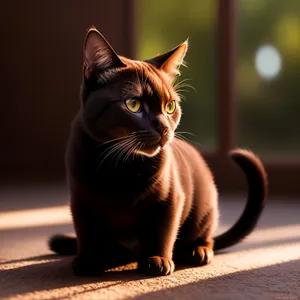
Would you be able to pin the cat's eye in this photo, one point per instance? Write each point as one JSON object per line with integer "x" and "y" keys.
{"x": 134, "y": 105}
{"x": 171, "y": 107}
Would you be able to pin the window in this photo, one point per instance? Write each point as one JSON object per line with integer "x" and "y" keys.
{"x": 246, "y": 75}
{"x": 268, "y": 73}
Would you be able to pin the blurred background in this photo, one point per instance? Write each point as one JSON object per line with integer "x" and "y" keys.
{"x": 267, "y": 67}
{"x": 243, "y": 63}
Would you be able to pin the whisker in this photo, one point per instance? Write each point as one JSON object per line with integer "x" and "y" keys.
{"x": 120, "y": 151}
{"x": 181, "y": 90}
{"x": 133, "y": 151}
{"x": 129, "y": 137}
{"x": 123, "y": 147}
{"x": 113, "y": 149}
{"x": 110, "y": 148}
{"x": 121, "y": 138}
{"x": 138, "y": 148}
{"x": 181, "y": 96}
{"x": 130, "y": 151}
{"x": 180, "y": 136}
{"x": 183, "y": 83}
{"x": 124, "y": 151}
{"x": 113, "y": 140}
{"x": 141, "y": 146}
{"x": 186, "y": 132}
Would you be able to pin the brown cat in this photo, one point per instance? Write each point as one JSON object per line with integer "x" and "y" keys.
{"x": 131, "y": 179}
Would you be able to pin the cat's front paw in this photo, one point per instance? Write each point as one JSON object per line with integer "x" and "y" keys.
{"x": 201, "y": 255}
{"x": 157, "y": 266}
{"x": 84, "y": 266}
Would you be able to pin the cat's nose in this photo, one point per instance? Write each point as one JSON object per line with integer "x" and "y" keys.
{"x": 161, "y": 129}
{"x": 159, "y": 124}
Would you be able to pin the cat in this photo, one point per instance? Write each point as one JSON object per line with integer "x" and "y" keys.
{"x": 130, "y": 177}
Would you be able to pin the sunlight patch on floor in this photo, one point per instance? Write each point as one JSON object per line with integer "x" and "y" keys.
{"x": 58, "y": 215}
{"x": 10, "y": 266}
{"x": 275, "y": 233}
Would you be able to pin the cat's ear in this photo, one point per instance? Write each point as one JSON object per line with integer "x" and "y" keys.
{"x": 98, "y": 54}
{"x": 171, "y": 61}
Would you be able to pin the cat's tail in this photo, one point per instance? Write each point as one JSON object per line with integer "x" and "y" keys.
{"x": 257, "y": 193}
{"x": 62, "y": 244}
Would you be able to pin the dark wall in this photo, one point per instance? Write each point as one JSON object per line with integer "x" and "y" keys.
{"x": 41, "y": 51}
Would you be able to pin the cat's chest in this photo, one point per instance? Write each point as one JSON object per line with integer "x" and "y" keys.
{"x": 120, "y": 219}
{"x": 121, "y": 223}
{"x": 127, "y": 221}
{"x": 121, "y": 187}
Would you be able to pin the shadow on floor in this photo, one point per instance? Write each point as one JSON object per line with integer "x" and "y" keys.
{"x": 280, "y": 281}
{"x": 55, "y": 274}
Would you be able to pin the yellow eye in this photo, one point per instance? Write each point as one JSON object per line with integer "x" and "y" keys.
{"x": 171, "y": 107}
{"x": 133, "y": 105}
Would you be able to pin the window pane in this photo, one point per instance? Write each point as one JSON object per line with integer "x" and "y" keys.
{"x": 162, "y": 25}
{"x": 268, "y": 76}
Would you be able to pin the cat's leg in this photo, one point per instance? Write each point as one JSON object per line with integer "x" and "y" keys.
{"x": 158, "y": 231}
{"x": 96, "y": 251}
{"x": 195, "y": 241}
{"x": 90, "y": 258}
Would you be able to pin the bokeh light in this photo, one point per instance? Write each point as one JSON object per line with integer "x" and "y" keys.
{"x": 268, "y": 62}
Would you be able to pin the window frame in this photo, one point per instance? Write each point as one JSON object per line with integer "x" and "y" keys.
{"x": 282, "y": 171}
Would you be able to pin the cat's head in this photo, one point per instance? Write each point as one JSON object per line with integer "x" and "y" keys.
{"x": 132, "y": 103}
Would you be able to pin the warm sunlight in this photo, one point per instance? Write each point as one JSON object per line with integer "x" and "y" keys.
{"x": 58, "y": 215}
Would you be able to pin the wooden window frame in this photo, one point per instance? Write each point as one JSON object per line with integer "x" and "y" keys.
{"x": 283, "y": 172}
